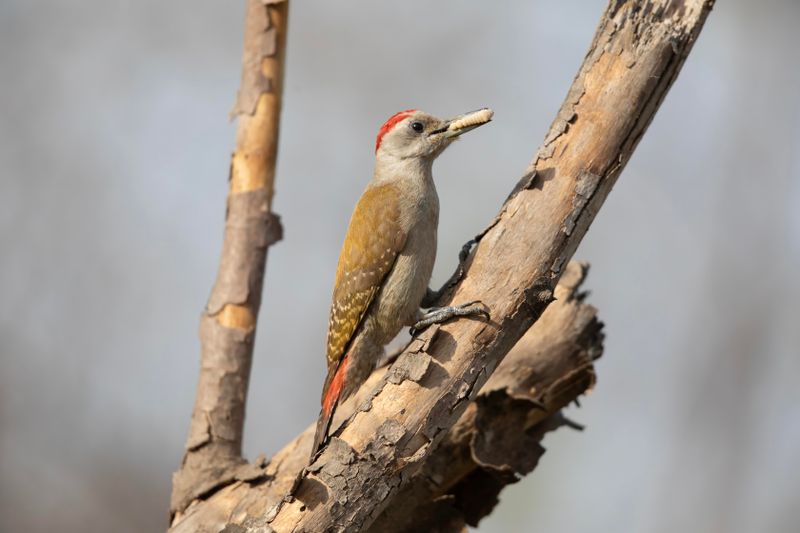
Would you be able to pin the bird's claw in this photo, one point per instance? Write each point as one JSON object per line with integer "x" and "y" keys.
{"x": 475, "y": 307}
{"x": 442, "y": 314}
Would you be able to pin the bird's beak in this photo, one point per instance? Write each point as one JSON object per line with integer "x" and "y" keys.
{"x": 464, "y": 123}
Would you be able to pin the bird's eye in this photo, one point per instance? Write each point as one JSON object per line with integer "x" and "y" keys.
{"x": 417, "y": 126}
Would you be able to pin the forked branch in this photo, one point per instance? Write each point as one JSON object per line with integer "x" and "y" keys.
{"x": 548, "y": 368}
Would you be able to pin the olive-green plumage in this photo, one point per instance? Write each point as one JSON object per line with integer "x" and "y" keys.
{"x": 374, "y": 238}
{"x": 388, "y": 253}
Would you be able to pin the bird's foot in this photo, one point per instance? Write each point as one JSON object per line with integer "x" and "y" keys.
{"x": 431, "y": 296}
{"x": 438, "y": 315}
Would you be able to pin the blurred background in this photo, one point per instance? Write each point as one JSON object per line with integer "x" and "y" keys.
{"x": 114, "y": 147}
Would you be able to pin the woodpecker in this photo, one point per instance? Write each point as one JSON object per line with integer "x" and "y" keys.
{"x": 388, "y": 253}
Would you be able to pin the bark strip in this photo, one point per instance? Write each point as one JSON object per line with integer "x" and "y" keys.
{"x": 547, "y": 369}
{"x": 213, "y": 455}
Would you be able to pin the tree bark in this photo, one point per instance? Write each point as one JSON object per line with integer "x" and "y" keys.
{"x": 547, "y": 369}
{"x": 213, "y": 453}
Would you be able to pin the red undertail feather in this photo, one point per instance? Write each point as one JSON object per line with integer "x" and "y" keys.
{"x": 329, "y": 405}
{"x": 337, "y": 383}
{"x": 391, "y": 123}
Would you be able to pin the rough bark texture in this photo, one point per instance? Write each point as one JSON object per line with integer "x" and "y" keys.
{"x": 213, "y": 454}
{"x": 634, "y": 58}
{"x": 548, "y": 368}
{"x": 497, "y": 439}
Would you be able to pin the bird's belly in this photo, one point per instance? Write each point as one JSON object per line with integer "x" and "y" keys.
{"x": 398, "y": 301}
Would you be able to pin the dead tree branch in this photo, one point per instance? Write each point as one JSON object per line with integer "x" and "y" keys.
{"x": 548, "y": 368}
{"x": 213, "y": 453}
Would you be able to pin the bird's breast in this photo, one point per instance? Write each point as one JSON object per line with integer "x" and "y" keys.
{"x": 398, "y": 301}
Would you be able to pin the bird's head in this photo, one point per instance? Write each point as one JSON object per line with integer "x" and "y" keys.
{"x": 416, "y": 134}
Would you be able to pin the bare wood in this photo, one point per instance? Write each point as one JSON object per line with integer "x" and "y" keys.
{"x": 634, "y": 58}
{"x": 213, "y": 453}
{"x": 548, "y": 368}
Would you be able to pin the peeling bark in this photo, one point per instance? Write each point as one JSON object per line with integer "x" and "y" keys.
{"x": 549, "y": 367}
{"x": 227, "y": 325}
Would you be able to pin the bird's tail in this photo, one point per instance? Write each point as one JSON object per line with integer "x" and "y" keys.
{"x": 330, "y": 399}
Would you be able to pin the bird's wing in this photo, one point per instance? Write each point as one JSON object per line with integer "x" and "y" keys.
{"x": 373, "y": 242}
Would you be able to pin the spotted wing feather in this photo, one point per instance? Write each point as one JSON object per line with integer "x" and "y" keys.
{"x": 374, "y": 240}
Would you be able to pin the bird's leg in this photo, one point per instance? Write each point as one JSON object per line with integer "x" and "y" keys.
{"x": 438, "y": 315}
{"x": 432, "y": 296}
